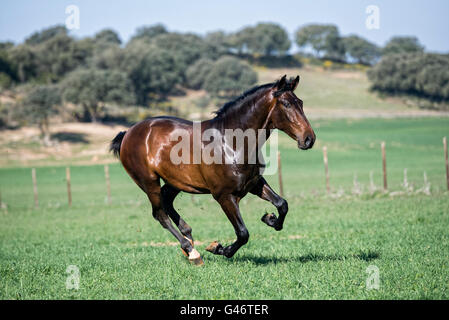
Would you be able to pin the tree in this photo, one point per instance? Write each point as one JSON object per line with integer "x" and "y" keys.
{"x": 104, "y": 40}
{"x": 46, "y": 34}
{"x": 240, "y": 39}
{"x": 50, "y": 60}
{"x": 402, "y": 45}
{"x": 6, "y": 45}
{"x": 421, "y": 75}
{"x": 25, "y": 62}
{"x": 267, "y": 39}
{"x": 229, "y": 76}
{"x": 156, "y": 66}
{"x": 108, "y": 36}
{"x": 197, "y": 73}
{"x": 109, "y": 58}
{"x": 154, "y": 71}
{"x": 186, "y": 48}
{"x": 325, "y": 40}
{"x": 7, "y": 115}
{"x": 219, "y": 40}
{"x": 48, "y": 55}
{"x": 38, "y": 105}
{"x": 92, "y": 89}
{"x": 361, "y": 50}
{"x": 62, "y": 54}
{"x": 147, "y": 33}
{"x": 7, "y": 70}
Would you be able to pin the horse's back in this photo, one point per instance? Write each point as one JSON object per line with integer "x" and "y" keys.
{"x": 146, "y": 152}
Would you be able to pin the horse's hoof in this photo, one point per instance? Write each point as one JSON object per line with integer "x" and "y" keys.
{"x": 185, "y": 252}
{"x": 269, "y": 219}
{"x": 214, "y": 247}
{"x": 195, "y": 258}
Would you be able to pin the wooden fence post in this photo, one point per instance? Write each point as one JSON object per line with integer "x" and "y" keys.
{"x": 446, "y": 160}
{"x": 384, "y": 165}
{"x": 69, "y": 188}
{"x": 326, "y": 169}
{"x": 281, "y": 185}
{"x": 108, "y": 183}
{"x": 33, "y": 176}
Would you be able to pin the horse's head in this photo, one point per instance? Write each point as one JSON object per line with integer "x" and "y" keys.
{"x": 288, "y": 115}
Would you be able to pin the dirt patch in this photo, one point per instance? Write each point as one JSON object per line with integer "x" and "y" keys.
{"x": 296, "y": 237}
{"x": 75, "y": 142}
{"x": 347, "y": 75}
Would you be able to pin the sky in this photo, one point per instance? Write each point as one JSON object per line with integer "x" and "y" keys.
{"x": 426, "y": 20}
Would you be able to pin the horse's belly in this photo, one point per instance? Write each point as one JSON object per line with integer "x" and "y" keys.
{"x": 184, "y": 177}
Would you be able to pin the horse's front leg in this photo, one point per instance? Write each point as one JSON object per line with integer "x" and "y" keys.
{"x": 264, "y": 191}
{"x": 229, "y": 204}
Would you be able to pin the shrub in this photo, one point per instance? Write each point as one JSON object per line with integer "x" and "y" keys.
{"x": 420, "y": 75}
{"x": 229, "y": 76}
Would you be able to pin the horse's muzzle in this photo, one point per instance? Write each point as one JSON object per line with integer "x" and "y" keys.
{"x": 307, "y": 144}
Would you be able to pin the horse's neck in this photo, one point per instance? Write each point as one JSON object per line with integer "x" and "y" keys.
{"x": 255, "y": 115}
{"x": 248, "y": 117}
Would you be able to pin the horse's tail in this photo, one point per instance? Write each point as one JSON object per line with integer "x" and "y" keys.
{"x": 116, "y": 143}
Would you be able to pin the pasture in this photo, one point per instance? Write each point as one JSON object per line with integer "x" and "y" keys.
{"x": 323, "y": 252}
{"x": 326, "y": 94}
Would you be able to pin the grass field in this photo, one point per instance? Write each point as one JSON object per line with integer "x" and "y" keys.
{"x": 323, "y": 252}
{"x": 326, "y": 94}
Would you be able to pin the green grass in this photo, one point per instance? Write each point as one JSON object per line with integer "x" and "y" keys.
{"x": 335, "y": 92}
{"x": 322, "y": 253}
{"x": 326, "y": 94}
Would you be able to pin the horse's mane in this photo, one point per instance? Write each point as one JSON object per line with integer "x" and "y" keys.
{"x": 238, "y": 102}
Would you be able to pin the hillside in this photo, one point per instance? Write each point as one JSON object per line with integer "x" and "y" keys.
{"x": 326, "y": 95}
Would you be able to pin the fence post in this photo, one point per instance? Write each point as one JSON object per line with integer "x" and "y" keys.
{"x": 446, "y": 160}
{"x": 108, "y": 183}
{"x": 281, "y": 185}
{"x": 69, "y": 188}
{"x": 33, "y": 176}
{"x": 384, "y": 165}
{"x": 326, "y": 169}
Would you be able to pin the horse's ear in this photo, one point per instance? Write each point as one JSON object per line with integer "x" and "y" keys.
{"x": 295, "y": 83}
{"x": 280, "y": 86}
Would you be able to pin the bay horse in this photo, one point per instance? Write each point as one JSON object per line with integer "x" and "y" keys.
{"x": 145, "y": 153}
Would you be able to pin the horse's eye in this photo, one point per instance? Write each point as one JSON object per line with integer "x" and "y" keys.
{"x": 286, "y": 104}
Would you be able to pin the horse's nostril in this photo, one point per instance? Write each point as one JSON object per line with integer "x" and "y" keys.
{"x": 308, "y": 141}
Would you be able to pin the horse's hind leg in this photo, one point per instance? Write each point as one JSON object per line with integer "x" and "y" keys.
{"x": 153, "y": 191}
{"x": 169, "y": 194}
{"x": 229, "y": 204}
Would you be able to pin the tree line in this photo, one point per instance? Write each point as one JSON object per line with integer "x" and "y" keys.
{"x": 52, "y": 68}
